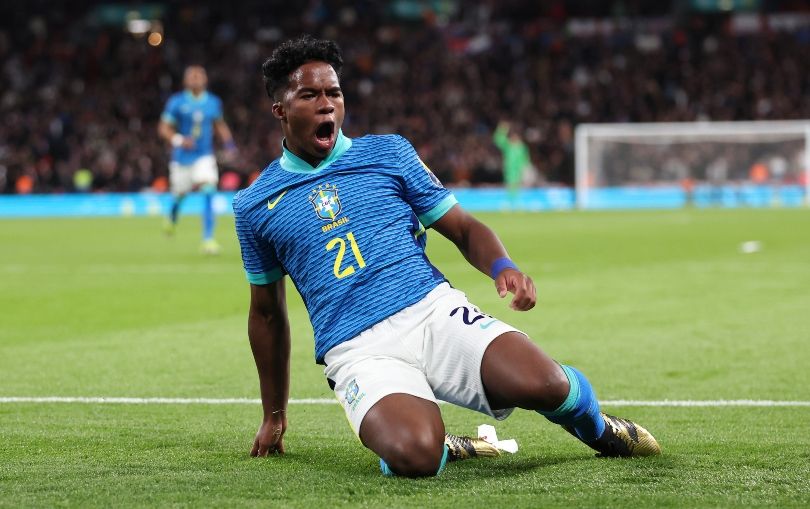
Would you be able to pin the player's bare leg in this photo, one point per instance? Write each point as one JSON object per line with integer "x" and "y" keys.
{"x": 516, "y": 373}
{"x": 407, "y": 433}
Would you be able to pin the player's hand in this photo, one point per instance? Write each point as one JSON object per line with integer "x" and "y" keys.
{"x": 229, "y": 154}
{"x": 520, "y": 285}
{"x": 270, "y": 437}
{"x": 188, "y": 143}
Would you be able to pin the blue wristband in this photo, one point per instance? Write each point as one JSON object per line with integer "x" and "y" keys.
{"x": 231, "y": 145}
{"x": 500, "y": 265}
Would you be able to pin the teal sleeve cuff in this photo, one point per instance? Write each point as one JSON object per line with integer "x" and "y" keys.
{"x": 434, "y": 214}
{"x": 264, "y": 278}
{"x": 168, "y": 118}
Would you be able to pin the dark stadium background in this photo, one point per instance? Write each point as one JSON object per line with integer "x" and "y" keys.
{"x": 126, "y": 373}
{"x": 80, "y": 91}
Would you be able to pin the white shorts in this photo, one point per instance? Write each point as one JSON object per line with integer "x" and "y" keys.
{"x": 432, "y": 350}
{"x": 185, "y": 178}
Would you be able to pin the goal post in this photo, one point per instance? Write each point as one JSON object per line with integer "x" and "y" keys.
{"x": 658, "y": 165}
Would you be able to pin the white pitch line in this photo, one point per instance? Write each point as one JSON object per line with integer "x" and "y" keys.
{"x": 707, "y": 403}
{"x": 325, "y": 401}
{"x": 154, "y": 401}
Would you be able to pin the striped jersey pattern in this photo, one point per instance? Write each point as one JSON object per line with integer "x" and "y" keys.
{"x": 350, "y": 232}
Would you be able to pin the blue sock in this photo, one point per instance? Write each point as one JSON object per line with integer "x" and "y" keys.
{"x": 580, "y": 410}
{"x": 208, "y": 216}
{"x": 390, "y": 473}
{"x": 386, "y": 471}
{"x": 175, "y": 209}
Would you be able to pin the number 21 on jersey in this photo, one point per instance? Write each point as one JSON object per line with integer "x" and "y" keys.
{"x": 338, "y": 242}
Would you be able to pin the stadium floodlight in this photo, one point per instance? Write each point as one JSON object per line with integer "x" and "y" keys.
{"x": 138, "y": 26}
{"x": 757, "y": 163}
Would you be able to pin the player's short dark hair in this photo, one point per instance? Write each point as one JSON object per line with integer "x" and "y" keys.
{"x": 294, "y": 53}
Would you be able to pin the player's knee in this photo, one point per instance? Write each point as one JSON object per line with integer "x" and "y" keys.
{"x": 549, "y": 389}
{"x": 558, "y": 388}
{"x": 415, "y": 456}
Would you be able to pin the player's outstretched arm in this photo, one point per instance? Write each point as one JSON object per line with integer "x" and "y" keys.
{"x": 269, "y": 333}
{"x": 224, "y": 134}
{"x": 484, "y": 250}
{"x": 169, "y": 134}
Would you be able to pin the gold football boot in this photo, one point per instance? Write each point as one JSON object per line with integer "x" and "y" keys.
{"x": 622, "y": 438}
{"x": 462, "y": 448}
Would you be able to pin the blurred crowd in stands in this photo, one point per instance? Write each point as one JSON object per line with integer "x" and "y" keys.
{"x": 80, "y": 100}
{"x": 751, "y": 158}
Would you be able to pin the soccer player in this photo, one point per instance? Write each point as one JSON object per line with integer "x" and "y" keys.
{"x": 345, "y": 219}
{"x": 188, "y": 124}
{"x": 516, "y": 160}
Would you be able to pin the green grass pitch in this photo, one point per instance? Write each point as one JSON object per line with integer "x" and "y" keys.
{"x": 651, "y": 305}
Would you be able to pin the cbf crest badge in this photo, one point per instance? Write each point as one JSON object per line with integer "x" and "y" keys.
{"x": 353, "y": 395}
{"x": 352, "y": 391}
{"x": 325, "y": 201}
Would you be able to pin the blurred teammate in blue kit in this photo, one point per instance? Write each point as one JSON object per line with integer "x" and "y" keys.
{"x": 188, "y": 123}
{"x": 345, "y": 219}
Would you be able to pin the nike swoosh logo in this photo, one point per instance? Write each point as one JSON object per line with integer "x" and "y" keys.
{"x": 486, "y": 325}
{"x": 271, "y": 205}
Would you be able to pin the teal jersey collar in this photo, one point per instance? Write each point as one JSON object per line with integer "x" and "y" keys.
{"x": 191, "y": 96}
{"x": 295, "y": 164}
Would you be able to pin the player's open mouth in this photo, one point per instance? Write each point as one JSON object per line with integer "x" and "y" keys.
{"x": 324, "y": 135}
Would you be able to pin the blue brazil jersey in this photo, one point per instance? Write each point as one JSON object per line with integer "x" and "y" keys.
{"x": 349, "y": 233}
{"x": 193, "y": 116}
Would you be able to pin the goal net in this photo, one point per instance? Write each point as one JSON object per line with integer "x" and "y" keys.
{"x": 723, "y": 164}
